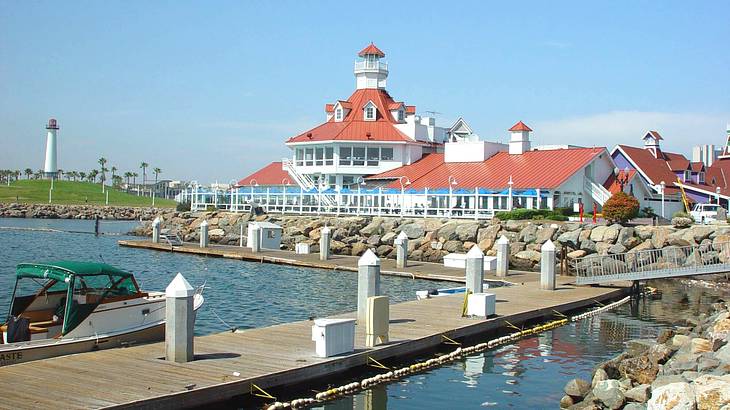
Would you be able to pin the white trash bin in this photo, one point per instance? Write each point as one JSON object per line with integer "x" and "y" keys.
{"x": 333, "y": 336}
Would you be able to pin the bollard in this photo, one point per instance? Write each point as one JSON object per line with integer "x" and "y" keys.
{"x": 156, "y": 230}
{"x": 401, "y": 246}
{"x": 324, "y": 243}
{"x": 547, "y": 266}
{"x": 368, "y": 282}
{"x": 255, "y": 238}
{"x": 377, "y": 322}
{"x": 502, "y": 257}
{"x": 204, "y": 234}
{"x": 474, "y": 270}
{"x": 179, "y": 320}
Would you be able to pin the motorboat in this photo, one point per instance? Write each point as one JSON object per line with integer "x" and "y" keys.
{"x": 433, "y": 293}
{"x": 67, "y": 307}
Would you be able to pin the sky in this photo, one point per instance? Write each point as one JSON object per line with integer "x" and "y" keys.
{"x": 210, "y": 90}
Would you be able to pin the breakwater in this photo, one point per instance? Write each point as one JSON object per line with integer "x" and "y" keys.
{"x": 431, "y": 239}
{"x": 50, "y": 211}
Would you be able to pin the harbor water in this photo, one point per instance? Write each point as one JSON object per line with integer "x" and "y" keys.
{"x": 528, "y": 374}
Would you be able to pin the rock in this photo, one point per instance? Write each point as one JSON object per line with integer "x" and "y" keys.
{"x": 723, "y": 354}
{"x": 681, "y": 222}
{"x": 452, "y": 246}
{"x": 486, "y": 237}
{"x": 358, "y": 248}
{"x": 577, "y": 388}
{"x": 533, "y": 256}
{"x": 639, "y": 369}
{"x": 515, "y": 247}
{"x": 712, "y": 392}
{"x": 373, "y": 227}
{"x": 588, "y": 246}
{"x": 700, "y": 345}
{"x": 413, "y": 230}
{"x": 659, "y": 353}
{"x": 611, "y": 233}
{"x": 680, "y": 340}
{"x": 675, "y": 396}
{"x": 373, "y": 240}
{"x": 602, "y": 248}
{"x": 617, "y": 248}
{"x": 388, "y": 238}
{"x": 624, "y": 235}
{"x": 544, "y": 234}
{"x": 706, "y": 364}
{"x": 467, "y": 231}
{"x": 681, "y": 362}
{"x": 660, "y": 237}
{"x": 576, "y": 254}
{"x": 566, "y": 402}
{"x": 528, "y": 234}
{"x": 665, "y": 336}
{"x": 639, "y": 393}
{"x": 216, "y": 233}
{"x": 571, "y": 238}
{"x": 599, "y": 376}
{"x": 609, "y": 393}
{"x": 636, "y": 347}
{"x": 513, "y": 226}
{"x": 447, "y": 232}
{"x": 597, "y": 233}
{"x": 635, "y": 406}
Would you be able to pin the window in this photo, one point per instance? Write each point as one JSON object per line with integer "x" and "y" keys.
{"x": 400, "y": 115}
{"x": 299, "y": 157}
{"x": 348, "y": 180}
{"x": 687, "y": 176}
{"x": 338, "y": 114}
{"x": 386, "y": 154}
{"x": 345, "y": 155}
{"x": 329, "y": 156}
{"x": 309, "y": 153}
{"x": 370, "y": 113}
{"x": 373, "y": 156}
{"x": 319, "y": 156}
{"x": 332, "y": 179}
{"x": 358, "y": 156}
{"x": 702, "y": 177}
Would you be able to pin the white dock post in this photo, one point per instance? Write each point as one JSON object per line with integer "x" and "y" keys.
{"x": 324, "y": 243}
{"x": 255, "y": 238}
{"x": 156, "y": 230}
{"x": 179, "y": 320}
{"x": 368, "y": 282}
{"x": 502, "y": 257}
{"x": 401, "y": 246}
{"x": 378, "y": 321}
{"x": 475, "y": 270}
{"x": 547, "y": 266}
{"x": 204, "y": 234}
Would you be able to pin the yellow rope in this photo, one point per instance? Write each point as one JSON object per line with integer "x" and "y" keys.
{"x": 263, "y": 393}
{"x": 377, "y": 364}
{"x": 465, "y": 305}
{"x": 449, "y": 341}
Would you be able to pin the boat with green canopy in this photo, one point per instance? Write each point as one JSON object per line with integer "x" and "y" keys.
{"x": 65, "y": 307}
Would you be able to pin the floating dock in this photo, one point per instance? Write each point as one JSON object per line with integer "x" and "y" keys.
{"x": 227, "y": 364}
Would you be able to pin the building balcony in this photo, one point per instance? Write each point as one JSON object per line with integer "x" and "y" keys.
{"x": 371, "y": 66}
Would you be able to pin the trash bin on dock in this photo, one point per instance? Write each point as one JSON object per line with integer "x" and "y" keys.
{"x": 333, "y": 336}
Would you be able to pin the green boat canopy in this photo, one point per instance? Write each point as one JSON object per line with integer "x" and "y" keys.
{"x": 63, "y": 270}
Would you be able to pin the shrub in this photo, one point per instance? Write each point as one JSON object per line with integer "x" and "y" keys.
{"x": 183, "y": 207}
{"x": 682, "y": 214}
{"x": 523, "y": 214}
{"x": 620, "y": 207}
{"x": 565, "y": 211}
{"x": 647, "y": 212}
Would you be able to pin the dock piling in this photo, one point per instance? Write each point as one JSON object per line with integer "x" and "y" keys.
{"x": 378, "y": 321}
{"x": 502, "y": 257}
{"x": 474, "y": 270}
{"x": 547, "y": 266}
{"x": 401, "y": 246}
{"x": 255, "y": 239}
{"x": 204, "y": 234}
{"x": 368, "y": 282}
{"x": 179, "y": 320}
{"x": 156, "y": 230}
{"x": 324, "y": 243}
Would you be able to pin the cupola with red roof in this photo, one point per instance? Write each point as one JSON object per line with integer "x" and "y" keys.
{"x": 519, "y": 141}
{"x": 651, "y": 143}
{"x": 370, "y": 72}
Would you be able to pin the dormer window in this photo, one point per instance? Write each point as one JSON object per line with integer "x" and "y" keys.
{"x": 369, "y": 111}
{"x": 338, "y": 114}
{"x": 401, "y": 115}
{"x": 687, "y": 176}
{"x": 702, "y": 177}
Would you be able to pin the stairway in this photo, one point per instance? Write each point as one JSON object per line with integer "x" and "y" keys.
{"x": 305, "y": 182}
{"x": 597, "y": 191}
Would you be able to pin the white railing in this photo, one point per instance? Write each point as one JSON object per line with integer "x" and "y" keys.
{"x": 597, "y": 191}
{"x": 303, "y": 180}
{"x": 371, "y": 65}
{"x": 653, "y": 263}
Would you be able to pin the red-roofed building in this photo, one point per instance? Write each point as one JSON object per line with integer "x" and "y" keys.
{"x": 272, "y": 174}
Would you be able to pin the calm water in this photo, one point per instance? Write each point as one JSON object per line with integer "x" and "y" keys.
{"x": 243, "y": 294}
{"x": 528, "y": 374}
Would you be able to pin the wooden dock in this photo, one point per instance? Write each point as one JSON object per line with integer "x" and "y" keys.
{"x": 283, "y": 355}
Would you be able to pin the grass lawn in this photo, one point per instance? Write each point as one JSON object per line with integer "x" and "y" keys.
{"x": 73, "y": 193}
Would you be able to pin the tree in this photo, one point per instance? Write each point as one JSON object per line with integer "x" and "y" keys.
{"x": 144, "y": 166}
{"x": 114, "y": 172}
{"x": 17, "y": 174}
{"x": 102, "y": 161}
{"x": 82, "y": 175}
{"x": 28, "y": 172}
{"x": 157, "y": 172}
{"x": 128, "y": 175}
{"x": 92, "y": 175}
{"x": 134, "y": 178}
{"x": 620, "y": 208}
{"x": 116, "y": 180}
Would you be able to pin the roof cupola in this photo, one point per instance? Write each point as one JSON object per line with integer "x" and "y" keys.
{"x": 370, "y": 71}
{"x": 519, "y": 141}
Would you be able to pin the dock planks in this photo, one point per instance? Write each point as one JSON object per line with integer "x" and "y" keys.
{"x": 272, "y": 356}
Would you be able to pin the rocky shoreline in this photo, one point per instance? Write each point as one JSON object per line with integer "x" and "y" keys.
{"x": 431, "y": 239}
{"x": 50, "y": 211}
{"x": 687, "y": 367}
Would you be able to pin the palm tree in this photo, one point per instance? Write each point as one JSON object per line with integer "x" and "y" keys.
{"x": 73, "y": 174}
{"x": 28, "y": 172}
{"x": 102, "y": 161}
{"x": 144, "y": 166}
{"x": 116, "y": 181}
{"x": 114, "y": 171}
{"x": 157, "y": 173}
{"x": 82, "y": 175}
{"x": 17, "y": 174}
{"x": 92, "y": 175}
{"x": 38, "y": 174}
{"x": 128, "y": 175}
{"x": 134, "y": 178}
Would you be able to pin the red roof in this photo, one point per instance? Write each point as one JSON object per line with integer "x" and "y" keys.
{"x": 520, "y": 126}
{"x": 612, "y": 183}
{"x": 371, "y": 50}
{"x": 656, "y": 169}
{"x": 527, "y": 170}
{"x": 329, "y": 107}
{"x": 272, "y": 174}
{"x": 654, "y": 135}
{"x": 410, "y": 109}
{"x": 354, "y": 127}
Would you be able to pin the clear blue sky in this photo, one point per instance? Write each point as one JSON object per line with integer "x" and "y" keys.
{"x": 210, "y": 90}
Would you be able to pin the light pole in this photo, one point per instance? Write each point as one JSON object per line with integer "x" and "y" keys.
{"x": 509, "y": 193}
{"x": 360, "y": 181}
{"x": 233, "y": 184}
{"x": 284, "y": 184}
{"x": 662, "y": 185}
{"x": 452, "y": 183}
{"x": 402, "y": 192}
{"x": 717, "y": 191}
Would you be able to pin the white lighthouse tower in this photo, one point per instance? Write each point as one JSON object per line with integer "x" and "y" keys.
{"x": 51, "y": 167}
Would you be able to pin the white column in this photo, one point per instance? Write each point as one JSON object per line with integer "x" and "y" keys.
{"x": 324, "y": 243}
{"x": 538, "y": 198}
{"x": 547, "y": 266}
{"x": 475, "y": 270}
{"x": 368, "y": 282}
{"x": 401, "y": 248}
{"x": 179, "y": 320}
{"x": 502, "y": 257}
{"x": 204, "y": 234}
{"x": 255, "y": 238}
{"x": 156, "y": 230}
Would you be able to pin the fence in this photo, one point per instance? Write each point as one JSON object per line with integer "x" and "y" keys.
{"x": 458, "y": 203}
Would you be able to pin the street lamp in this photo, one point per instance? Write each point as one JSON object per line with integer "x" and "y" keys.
{"x": 509, "y": 193}
{"x": 622, "y": 178}
{"x": 402, "y": 193}
{"x": 717, "y": 191}
{"x": 663, "y": 185}
{"x": 452, "y": 183}
{"x": 360, "y": 181}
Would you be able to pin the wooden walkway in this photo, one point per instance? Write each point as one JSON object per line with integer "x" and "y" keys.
{"x": 415, "y": 269}
{"x": 227, "y": 363}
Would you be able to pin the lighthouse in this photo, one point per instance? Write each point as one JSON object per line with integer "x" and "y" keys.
{"x": 51, "y": 168}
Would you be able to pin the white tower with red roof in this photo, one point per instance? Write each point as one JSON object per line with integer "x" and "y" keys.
{"x": 370, "y": 71}
{"x": 519, "y": 141}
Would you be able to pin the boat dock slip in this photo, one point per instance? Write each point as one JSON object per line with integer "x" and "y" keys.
{"x": 414, "y": 269}
{"x": 226, "y": 364}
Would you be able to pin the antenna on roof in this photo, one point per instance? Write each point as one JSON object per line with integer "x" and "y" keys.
{"x": 433, "y": 113}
